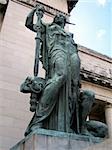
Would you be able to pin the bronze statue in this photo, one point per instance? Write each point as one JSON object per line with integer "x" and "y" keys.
{"x": 56, "y": 100}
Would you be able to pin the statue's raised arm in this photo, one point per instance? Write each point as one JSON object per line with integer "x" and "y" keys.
{"x": 29, "y": 20}
{"x": 39, "y": 10}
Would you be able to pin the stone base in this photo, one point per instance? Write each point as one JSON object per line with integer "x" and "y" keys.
{"x": 43, "y": 139}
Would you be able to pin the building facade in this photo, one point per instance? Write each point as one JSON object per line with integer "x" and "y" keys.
{"x": 17, "y": 49}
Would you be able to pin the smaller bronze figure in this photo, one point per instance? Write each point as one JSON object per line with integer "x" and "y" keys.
{"x": 35, "y": 87}
{"x": 87, "y": 98}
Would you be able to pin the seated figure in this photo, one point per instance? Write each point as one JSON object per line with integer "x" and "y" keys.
{"x": 91, "y": 127}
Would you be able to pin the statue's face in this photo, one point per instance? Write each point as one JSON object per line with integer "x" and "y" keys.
{"x": 60, "y": 20}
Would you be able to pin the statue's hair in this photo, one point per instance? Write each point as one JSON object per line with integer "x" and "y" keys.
{"x": 58, "y": 16}
{"x": 89, "y": 93}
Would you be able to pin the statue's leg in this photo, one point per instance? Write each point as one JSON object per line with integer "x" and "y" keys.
{"x": 97, "y": 128}
{"x": 53, "y": 85}
{"x": 87, "y": 101}
{"x": 75, "y": 71}
{"x": 75, "y": 77}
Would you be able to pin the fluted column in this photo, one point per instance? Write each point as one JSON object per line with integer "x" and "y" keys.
{"x": 108, "y": 114}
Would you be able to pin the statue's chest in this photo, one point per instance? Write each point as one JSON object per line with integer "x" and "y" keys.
{"x": 56, "y": 31}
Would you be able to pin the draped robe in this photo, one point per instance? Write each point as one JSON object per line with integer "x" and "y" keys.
{"x": 56, "y": 109}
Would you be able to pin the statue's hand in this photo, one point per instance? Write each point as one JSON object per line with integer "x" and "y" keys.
{"x": 37, "y": 28}
{"x": 40, "y": 11}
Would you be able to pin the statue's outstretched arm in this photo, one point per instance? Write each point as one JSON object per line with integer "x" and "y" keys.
{"x": 29, "y": 20}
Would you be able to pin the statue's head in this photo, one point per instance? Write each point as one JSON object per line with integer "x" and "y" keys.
{"x": 60, "y": 19}
{"x": 87, "y": 94}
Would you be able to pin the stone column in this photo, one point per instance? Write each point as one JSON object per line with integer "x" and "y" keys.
{"x": 108, "y": 115}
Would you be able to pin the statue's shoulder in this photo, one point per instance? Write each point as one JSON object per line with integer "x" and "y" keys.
{"x": 51, "y": 25}
{"x": 52, "y": 28}
{"x": 70, "y": 34}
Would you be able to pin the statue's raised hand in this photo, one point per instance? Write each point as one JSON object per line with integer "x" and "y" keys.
{"x": 40, "y": 11}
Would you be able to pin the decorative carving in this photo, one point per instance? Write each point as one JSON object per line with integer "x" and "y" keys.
{"x": 50, "y": 10}
{"x": 95, "y": 78}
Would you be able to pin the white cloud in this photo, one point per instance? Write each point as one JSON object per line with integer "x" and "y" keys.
{"x": 101, "y": 33}
{"x": 102, "y": 2}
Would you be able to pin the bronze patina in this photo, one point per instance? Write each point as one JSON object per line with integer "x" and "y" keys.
{"x": 57, "y": 101}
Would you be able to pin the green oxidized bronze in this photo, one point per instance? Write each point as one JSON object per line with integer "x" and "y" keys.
{"x": 56, "y": 101}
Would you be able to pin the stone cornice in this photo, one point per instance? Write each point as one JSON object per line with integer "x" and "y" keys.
{"x": 94, "y": 53}
{"x": 95, "y": 78}
{"x": 48, "y": 9}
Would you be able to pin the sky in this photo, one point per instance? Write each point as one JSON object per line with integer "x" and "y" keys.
{"x": 93, "y": 29}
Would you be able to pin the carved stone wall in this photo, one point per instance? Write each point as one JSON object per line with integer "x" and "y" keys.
{"x": 96, "y": 73}
{"x": 95, "y": 62}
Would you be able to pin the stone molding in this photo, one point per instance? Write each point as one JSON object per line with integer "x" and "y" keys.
{"x": 48, "y": 9}
{"x": 54, "y": 140}
{"x": 95, "y": 78}
{"x": 94, "y": 53}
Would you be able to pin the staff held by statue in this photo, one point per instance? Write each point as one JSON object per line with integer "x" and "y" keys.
{"x": 37, "y": 27}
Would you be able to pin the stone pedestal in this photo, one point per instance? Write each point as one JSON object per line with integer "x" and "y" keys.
{"x": 108, "y": 114}
{"x": 106, "y": 145}
{"x": 43, "y": 139}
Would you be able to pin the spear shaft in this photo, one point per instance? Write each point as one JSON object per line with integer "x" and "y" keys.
{"x": 38, "y": 27}
{"x": 37, "y": 52}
